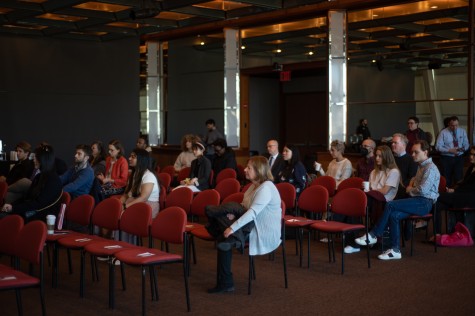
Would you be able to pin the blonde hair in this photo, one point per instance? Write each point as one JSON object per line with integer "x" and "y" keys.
{"x": 338, "y": 145}
{"x": 388, "y": 159}
{"x": 261, "y": 167}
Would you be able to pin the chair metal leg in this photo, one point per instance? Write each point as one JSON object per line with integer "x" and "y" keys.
{"x": 412, "y": 237}
{"x": 187, "y": 290}
{"x": 284, "y": 259}
{"x": 55, "y": 265}
{"x": 42, "y": 298}
{"x": 82, "y": 276}
{"x": 251, "y": 269}
{"x": 111, "y": 283}
{"x": 18, "y": 302}
{"x": 143, "y": 290}
{"x": 343, "y": 253}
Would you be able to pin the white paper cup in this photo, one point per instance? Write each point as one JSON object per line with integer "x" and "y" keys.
{"x": 366, "y": 186}
{"x": 50, "y": 221}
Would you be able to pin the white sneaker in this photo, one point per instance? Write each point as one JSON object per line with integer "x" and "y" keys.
{"x": 390, "y": 255}
{"x": 324, "y": 240}
{"x": 350, "y": 249}
{"x": 420, "y": 224}
{"x": 102, "y": 258}
{"x": 362, "y": 240}
{"x": 117, "y": 262}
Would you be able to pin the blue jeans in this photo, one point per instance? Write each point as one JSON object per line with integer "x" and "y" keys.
{"x": 397, "y": 210}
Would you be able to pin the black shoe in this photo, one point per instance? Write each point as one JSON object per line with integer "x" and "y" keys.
{"x": 228, "y": 245}
{"x": 219, "y": 289}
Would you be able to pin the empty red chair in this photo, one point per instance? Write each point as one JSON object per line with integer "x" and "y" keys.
{"x": 170, "y": 170}
{"x": 10, "y": 227}
{"x": 227, "y": 187}
{"x": 225, "y": 174}
{"x": 181, "y": 197}
{"x": 165, "y": 180}
{"x": 353, "y": 182}
{"x": 328, "y": 182}
{"x": 183, "y": 174}
{"x": 287, "y": 194}
{"x": 235, "y": 197}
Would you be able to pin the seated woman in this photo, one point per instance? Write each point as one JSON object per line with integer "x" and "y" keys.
{"x": 44, "y": 193}
{"x": 340, "y": 168}
{"x": 142, "y": 185}
{"x": 23, "y": 168}
{"x": 200, "y": 170}
{"x": 294, "y": 171}
{"x": 117, "y": 171}
{"x": 186, "y": 156}
{"x": 460, "y": 197}
{"x": 98, "y": 158}
{"x": 384, "y": 183}
{"x": 262, "y": 201}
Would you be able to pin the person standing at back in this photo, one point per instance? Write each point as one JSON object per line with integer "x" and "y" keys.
{"x": 404, "y": 162}
{"x": 276, "y": 162}
{"x": 414, "y": 132}
{"x": 452, "y": 142}
{"x": 210, "y": 137}
{"x": 363, "y": 129}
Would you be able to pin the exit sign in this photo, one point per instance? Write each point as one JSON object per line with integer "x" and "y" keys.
{"x": 285, "y": 75}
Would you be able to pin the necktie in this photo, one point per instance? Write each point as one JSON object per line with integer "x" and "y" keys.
{"x": 271, "y": 160}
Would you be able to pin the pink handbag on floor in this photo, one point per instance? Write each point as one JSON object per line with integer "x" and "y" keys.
{"x": 460, "y": 238}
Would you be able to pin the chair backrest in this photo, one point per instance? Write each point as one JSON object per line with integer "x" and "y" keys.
{"x": 287, "y": 193}
{"x": 350, "y": 202}
{"x": 3, "y": 191}
{"x": 10, "y": 227}
{"x": 169, "y": 225}
{"x": 227, "y": 187}
{"x": 165, "y": 180}
{"x": 353, "y": 182}
{"x": 169, "y": 169}
{"x": 442, "y": 184}
{"x": 235, "y": 197}
{"x": 80, "y": 209}
{"x": 202, "y": 199}
{"x": 162, "y": 196}
{"x": 225, "y": 174}
{"x": 183, "y": 174}
{"x": 328, "y": 182}
{"x": 314, "y": 199}
{"x": 107, "y": 213}
{"x": 30, "y": 242}
{"x": 181, "y": 197}
{"x": 136, "y": 219}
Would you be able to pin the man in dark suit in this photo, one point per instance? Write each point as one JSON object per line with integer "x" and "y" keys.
{"x": 276, "y": 161}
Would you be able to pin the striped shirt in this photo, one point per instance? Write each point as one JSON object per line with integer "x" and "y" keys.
{"x": 426, "y": 181}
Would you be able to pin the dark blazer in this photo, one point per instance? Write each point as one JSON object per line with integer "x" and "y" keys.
{"x": 277, "y": 166}
{"x": 201, "y": 169}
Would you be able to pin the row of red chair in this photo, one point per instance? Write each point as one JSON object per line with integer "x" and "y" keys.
{"x": 22, "y": 242}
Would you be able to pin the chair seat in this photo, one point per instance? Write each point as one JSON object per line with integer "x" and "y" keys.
{"x": 146, "y": 256}
{"x": 60, "y": 234}
{"x": 297, "y": 221}
{"x": 107, "y": 247}
{"x": 191, "y": 226}
{"x": 427, "y": 216}
{"x": 335, "y": 227}
{"x": 78, "y": 241}
{"x": 202, "y": 233}
{"x": 11, "y": 278}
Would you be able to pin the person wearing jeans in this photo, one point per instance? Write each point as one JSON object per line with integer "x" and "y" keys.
{"x": 423, "y": 189}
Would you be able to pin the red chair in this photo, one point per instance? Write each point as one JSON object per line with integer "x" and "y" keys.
{"x": 165, "y": 180}
{"x": 314, "y": 201}
{"x": 328, "y": 182}
{"x": 227, "y": 187}
{"x": 162, "y": 197}
{"x": 28, "y": 246}
{"x": 135, "y": 220}
{"x": 170, "y": 170}
{"x": 181, "y": 197}
{"x": 225, "y": 174}
{"x": 201, "y": 200}
{"x": 352, "y": 203}
{"x": 353, "y": 182}
{"x": 183, "y": 174}
{"x": 79, "y": 212}
{"x": 10, "y": 227}
{"x": 287, "y": 194}
{"x": 3, "y": 192}
{"x": 168, "y": 226}
{"x": 252, "y": 271}
{"x": 105, "y": 215}
{"x": 235, "y": 197}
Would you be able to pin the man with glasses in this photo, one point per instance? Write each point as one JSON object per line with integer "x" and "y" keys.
{"x": 365, "y": 164}
{"x": 404, "y": 162}
{"x": 276, "y": 162}
{"x": 452, "y": 143}
{"x": 423, "y": 193}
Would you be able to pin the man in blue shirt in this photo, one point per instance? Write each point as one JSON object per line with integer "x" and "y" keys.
{"x": 78, "y": 179}
{"x": 423, "y": 191}
{"x": 452, "y": 143}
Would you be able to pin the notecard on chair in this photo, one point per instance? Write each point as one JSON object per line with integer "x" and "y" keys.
{"x": 145, "y": 254}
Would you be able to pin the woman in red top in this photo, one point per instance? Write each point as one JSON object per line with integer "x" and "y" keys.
{"x": 117, "y": 171}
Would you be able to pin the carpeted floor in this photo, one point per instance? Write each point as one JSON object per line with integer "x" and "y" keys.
{"x": 440, "y": 283}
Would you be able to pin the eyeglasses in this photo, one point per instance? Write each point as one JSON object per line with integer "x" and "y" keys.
{"x": 133, "y": 156}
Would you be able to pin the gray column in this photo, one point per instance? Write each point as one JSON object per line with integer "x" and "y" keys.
{"x": 337, "y": 63}
{"x": 155, "y": 92}
{"x": 431, "y": 94}
{"x": 231, "y": 86}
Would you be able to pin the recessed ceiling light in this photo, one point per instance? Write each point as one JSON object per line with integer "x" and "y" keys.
{"x": 279, "y": 50}
{"x": 202, "y": 43}
{"x": 310, "y": 53}
{"x": 243, "y": 47}
{"x": 434, "y": 7}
